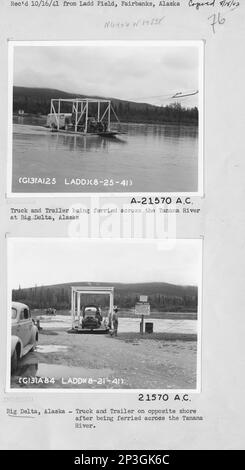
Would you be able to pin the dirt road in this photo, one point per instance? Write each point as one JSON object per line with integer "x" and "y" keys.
{"x": 102, "y": 361}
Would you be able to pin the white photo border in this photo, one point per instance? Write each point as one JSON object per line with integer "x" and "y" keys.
{"x": 105, "y": 43}
{"x": 197, "y": 390}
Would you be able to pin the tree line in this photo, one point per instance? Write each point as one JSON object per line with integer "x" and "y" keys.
{"x": 37, "y": 101}
{"x": 59, "y": 297}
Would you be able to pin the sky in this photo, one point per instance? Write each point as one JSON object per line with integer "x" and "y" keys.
{"x": 144, "y": 74}
{"x": 52, "y": 261}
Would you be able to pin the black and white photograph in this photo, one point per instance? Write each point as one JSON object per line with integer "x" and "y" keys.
{"x": 107, "y": 117}
{"x": 122, "y": 231}
{"x": 104, "y": 314}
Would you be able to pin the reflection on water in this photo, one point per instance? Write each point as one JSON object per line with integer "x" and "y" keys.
{"x": 30, "y": 366}
{"x": 50, "y": 348}
{"x": 157, "y": 158}
{"x": 75, "y": 142}
{"x": 27, "y": 370}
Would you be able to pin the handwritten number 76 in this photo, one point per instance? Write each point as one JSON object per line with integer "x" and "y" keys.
{"x": 216, "y": 19}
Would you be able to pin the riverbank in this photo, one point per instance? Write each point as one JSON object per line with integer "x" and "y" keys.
{"x": 127, "y": 313}
{"x": 164, "y": 122}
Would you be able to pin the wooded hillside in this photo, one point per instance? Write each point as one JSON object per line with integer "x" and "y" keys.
{"x": 162, "y": 296}
{"x": 37, "y": 101}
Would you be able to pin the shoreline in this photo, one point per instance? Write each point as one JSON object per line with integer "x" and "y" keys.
{"x": 152, "y": 123}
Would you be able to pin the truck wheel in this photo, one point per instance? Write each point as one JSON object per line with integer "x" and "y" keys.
{"x": 14, "y": 362}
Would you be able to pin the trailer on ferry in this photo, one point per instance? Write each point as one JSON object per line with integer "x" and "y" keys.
{"x": 84, "y": 116}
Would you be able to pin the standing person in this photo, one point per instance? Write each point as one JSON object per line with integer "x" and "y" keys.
{"x": 115, "y": 320}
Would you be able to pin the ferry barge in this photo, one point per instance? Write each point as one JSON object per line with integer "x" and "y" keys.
{"x": 83, "y": 116}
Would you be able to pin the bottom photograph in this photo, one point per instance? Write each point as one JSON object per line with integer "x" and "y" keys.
{"x": 104, "y": 314}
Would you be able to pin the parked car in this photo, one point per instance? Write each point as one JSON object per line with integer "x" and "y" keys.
{"x": 91, "y": 317}
{"x": 24, "y": 333}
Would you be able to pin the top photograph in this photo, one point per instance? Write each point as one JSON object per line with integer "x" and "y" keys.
{"x": 105, "y": 117}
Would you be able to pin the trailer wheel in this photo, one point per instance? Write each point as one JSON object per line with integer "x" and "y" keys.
{"x": 14, "y": 362}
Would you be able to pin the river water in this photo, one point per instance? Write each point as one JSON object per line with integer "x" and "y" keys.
{"x": 128, "y": 325}
{"x": 144, "y": 158}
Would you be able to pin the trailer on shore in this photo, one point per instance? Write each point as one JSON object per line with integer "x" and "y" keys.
{"x": 77, "y": 313}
